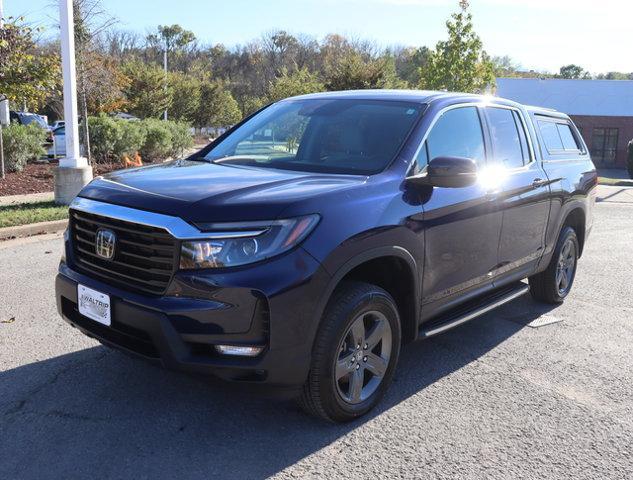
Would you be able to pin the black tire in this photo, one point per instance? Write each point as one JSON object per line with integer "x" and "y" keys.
{"x": 545, "y": 286}
{"x": 351, "y": 303}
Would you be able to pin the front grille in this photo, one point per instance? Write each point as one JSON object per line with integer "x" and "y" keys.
{"x": 144, "y": 257}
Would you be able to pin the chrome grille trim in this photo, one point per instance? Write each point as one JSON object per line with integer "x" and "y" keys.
{"x": 175, "y": 226}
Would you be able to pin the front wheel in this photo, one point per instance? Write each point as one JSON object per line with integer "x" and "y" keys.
{"x": 355, "y": 353}
{"x": 554, "y": 283}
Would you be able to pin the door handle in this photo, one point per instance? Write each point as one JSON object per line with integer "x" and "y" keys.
{"x": 539, "y": 182}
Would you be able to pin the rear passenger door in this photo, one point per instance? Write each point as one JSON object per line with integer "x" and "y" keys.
{"x": 523, "y": 193}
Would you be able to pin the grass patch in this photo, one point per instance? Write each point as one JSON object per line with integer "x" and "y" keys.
{"x": 616, "y": 182}
{"x": 26, "y": 213}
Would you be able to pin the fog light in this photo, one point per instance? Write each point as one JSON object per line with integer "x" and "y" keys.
{"x": 239, "y": 350}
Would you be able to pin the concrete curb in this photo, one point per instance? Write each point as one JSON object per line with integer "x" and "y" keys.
{"x": 54, "y": 226}
{"x": 617, "y": 183}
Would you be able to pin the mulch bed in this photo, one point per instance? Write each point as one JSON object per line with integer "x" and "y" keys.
{"x": 38, "y": 178}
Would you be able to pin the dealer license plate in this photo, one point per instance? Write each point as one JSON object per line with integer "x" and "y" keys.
{"x": 94, "y": 305}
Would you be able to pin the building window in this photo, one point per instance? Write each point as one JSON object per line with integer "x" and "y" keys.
{"x": 604, "y": 145}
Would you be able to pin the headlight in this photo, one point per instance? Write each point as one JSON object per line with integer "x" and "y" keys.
{"x": 233, "y": 244}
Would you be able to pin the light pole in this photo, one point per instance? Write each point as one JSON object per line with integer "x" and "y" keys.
{"x": 73, "y": 171}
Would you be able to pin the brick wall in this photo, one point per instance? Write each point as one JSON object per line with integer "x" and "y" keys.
{"x": 586, "y": 124}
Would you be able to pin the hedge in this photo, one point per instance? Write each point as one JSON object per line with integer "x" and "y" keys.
{"x": 155, "y": 140}
{"x": 21, "y": 144}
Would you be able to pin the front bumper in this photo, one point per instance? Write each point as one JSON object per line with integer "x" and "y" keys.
{"x": 179, "y": 332}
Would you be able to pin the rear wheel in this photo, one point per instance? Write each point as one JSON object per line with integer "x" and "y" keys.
{"x": 355, "y": 353}
{"x": 554, "y": 284}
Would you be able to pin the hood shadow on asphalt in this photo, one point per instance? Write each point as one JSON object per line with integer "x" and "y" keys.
{"x": 96, "y": 412}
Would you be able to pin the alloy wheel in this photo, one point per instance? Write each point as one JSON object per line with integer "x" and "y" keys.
{"x": 566, "y": 267}
{"x": 364, "y": 355}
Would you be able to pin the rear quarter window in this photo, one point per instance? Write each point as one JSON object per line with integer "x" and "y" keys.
{"x": 566, "y": 135}
{"x": 558, "y": 136}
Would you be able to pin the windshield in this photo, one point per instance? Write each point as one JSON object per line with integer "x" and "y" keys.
{"x": 28, "y": 119}
{"x": 321, "y": 135}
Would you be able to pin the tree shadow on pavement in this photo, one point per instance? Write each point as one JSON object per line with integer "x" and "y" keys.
{"x": 97, "y": 413}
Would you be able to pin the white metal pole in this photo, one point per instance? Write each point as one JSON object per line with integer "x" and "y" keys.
{"x": 1, "y": 15}
{"x": 72, "y": 157}
{"x": 73, "y": 171}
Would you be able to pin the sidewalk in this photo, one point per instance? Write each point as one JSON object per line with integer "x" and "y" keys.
{"x": 29, "y": 198}
{"x": 614, "y": 194}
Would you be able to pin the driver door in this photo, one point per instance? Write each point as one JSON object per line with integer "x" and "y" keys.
{"x": 462, "y": 225}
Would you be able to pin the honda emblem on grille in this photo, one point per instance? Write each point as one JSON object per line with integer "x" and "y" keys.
{"x": 105, "y": 243}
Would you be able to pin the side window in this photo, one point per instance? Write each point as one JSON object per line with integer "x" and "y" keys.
{"x": 457, "y": 133}
{"x": 567, "y": 137}
{"x": 558, "y": 137}
{"x": 507, "y": 146}
{"x": 550, "y": 135}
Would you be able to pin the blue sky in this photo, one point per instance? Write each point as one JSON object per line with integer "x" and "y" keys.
{"x": 538, "y": 34}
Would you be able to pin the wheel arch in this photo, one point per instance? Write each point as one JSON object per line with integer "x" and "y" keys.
{"x": 577, "y": 219}
{"x": 371, "y": 266}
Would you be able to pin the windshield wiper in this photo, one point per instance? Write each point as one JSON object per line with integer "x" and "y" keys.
{"x": 238, "y": 159}
{"x": 199, "y": 159}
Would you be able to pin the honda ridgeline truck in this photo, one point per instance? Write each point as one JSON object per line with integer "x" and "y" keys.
{"x": 302, "y": 248}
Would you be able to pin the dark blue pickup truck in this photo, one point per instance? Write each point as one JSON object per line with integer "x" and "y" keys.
{"x": 307, "y": 244}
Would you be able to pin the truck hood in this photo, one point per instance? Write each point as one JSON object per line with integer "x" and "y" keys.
{"x": 203, "y": 192}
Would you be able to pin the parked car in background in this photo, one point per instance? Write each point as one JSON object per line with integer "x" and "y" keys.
{"x": 58, "y": 146}
{"x": 57, "y": 124}
{"x": 27, "y": 118}
{"x": 304, "y": 246}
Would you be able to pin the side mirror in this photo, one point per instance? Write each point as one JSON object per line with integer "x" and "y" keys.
{"x": 449, "y": 172}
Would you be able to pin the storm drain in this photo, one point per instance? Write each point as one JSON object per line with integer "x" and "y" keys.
{"x": 544, "y": 320}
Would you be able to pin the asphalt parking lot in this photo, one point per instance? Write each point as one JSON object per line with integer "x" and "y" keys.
{"x": 494, "y": 398}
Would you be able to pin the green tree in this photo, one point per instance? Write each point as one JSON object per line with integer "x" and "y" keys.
{"x": 573, "y": 72}
{"x": 505, "y": 66}
{"x": 298, "y": 82}
{"x": 409, "y": 62}
{"x": 217, "y": 108}
{"x": 172, "y": 39}
{"x": 459, "y": 63}
{"x": 250, "y": 104}
{"x": 103, "y": 84}
{"x": 27, "y": 74}
{"x": 186, "y": 96}
{"x": 353, "y": 72}
{"x": 614, "y": 76}
{"x": 146, "y": 92}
